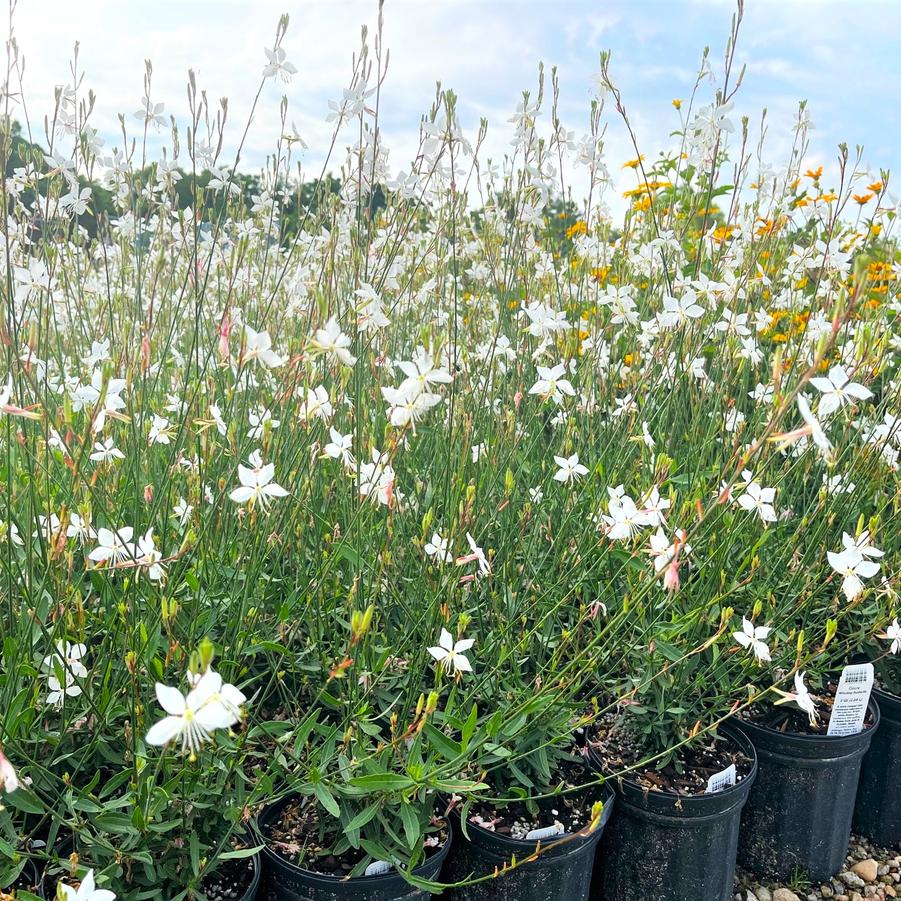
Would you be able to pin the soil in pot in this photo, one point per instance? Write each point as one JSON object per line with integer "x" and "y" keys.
{"x": 668, "y": 838}
{"x": 297, "y": 867}
{"x": 494, "y": 835}
{"x": 233, "y": 880}
{"x": 797, "y": 821}
{"x": 877, "y": 810}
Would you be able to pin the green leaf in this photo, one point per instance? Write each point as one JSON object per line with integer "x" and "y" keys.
{"x": 412, "y": 828}
{"x": 383, "y": 782}
{"x": 242, "y": 852}
{"x": 326, "y": 799}
{"x": 445, "y": 746}
{"x": 362, "y": 818}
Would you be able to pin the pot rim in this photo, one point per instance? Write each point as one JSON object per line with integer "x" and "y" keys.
{"x": 729, "y": 731}
{"x": 356, "y": 881}
{"x": 529, "y": 845}
{"x": 807, "y": 739}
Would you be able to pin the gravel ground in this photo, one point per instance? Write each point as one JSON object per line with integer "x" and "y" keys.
{"x": 869, "y": 872}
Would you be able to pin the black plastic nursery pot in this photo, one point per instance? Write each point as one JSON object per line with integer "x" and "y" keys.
{"x": 669, "y": 847}
{"x": 877, "y": 812}
{"x": 797, "y": 821}
{"x": 561, "y": 871}
{"x": 285, "y": 881}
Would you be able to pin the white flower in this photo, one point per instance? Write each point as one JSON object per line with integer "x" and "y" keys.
{"x": 182, "y": 511}
{"x": 148, "y": 556}
{"x": 80, "y": 529}
{"x": 624, "y": 518}
{"x": 106, "y": 451}
{"x": 570, "y": 469}
{"x": 333, "y": 342}
{"x": 58, "y": 692}
{"x": 451, "y": 653}
{"x": 340, "y": 447}
{"x": 208, "y": 706}
{"x": 754, "y": 638}
{"x": 105, "y": 396}
{"x": 838, "y": 390}
{"x": 476, "y": 553}
{"x": 86, "y": 890}
{"x": 552, "y": 385}
{"x": 9, "y": 780}
{"x": 112, "y": 547}
{"x": 893, "y": 634}
{"x": 801, "y": 696}
{"x": 68, "y": 656}
{"x": 278, "y": 65}
{"x": 861, "y": 545}
{"x": 259, "y": 420}
{"x": 438, "y": 548}
{"x": 376, "y": 479}
{"x": 852, "y": 564}
{"x": 536, "y": 495}
{"x": 159, "y": 431}
{"x": 257, "y": 487}
{"x": 406, "y": 408}
{"x": 760, "y": 500}
{"x": 316, "y": 406}
{"x": 258, "y": 346}
{"x": 422, "y": 372}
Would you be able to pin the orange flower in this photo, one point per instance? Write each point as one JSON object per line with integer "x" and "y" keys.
{"x": 814, "y": 173}
{"x": 863, "y": 198}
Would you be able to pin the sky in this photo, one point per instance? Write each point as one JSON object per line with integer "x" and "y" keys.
{"x": 841, "y": 57}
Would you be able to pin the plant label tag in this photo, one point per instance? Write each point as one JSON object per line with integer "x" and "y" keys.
{"x": 377, "y": 868}
{"x": 849, "y": 709}
{"x": 536, "y": 835}
{"x": 724, "y": 779}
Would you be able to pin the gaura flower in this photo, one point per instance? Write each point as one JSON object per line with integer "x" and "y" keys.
{"x": 86, "y": 891}
{"x": 838, "y": 390}
{"x": 893, "y": 634}
{"x": 258, "y": 346}
{"x": 801, "y": 696}
{"x": 9, "y": 781}
{"x": 852, "y": 564}
{"x": 570, "y": 469}
{"x": 451, "y": 653}
{"x": 193, "y": 718}
{"x": 257, "y": 487}
{"x": 754, "y": 638}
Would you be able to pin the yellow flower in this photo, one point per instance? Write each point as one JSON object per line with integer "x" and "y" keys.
{"x": 814, "y": 173}
{"x": 677, "y": 104}
{"x": 633, "y": 164}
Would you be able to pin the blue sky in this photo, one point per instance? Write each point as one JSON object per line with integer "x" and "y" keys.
{"x": 841, "y": 56}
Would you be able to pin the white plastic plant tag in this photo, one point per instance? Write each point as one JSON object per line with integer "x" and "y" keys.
{"x": 377, "y": 868}
{"x": 536, "y": 835}
{"x": 849, "y": 710}
{"x": 723, "y": 779}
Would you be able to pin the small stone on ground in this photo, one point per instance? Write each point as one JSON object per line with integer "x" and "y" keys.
{"x": 869, "y": 872}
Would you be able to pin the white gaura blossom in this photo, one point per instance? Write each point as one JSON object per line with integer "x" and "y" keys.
{"x": 854, "y": 567}
{"x": 257, "y": 487}
{"x": 552, "y": 384}
{"x": 893, "y": 634}
{"x": 317, "y": 404}
{"x": 759, "y": 500}
{"x": 376, "y": 479}
{"x": 800, "y": 696}
{"x": 570, "y": 469}
{"x": 754, "y": 638}
{"x": 193, "y": 718}
{"x": 112, "y": 546}
{"x": 86, "y": 891}
{"x": 624, "y": 518}
{"x": 406, "y": 408}
{"x": 838, "y": 390}
{"x": 332, "y": 342}
{"x": 9, "y": 779}
{"x": 258, "y": 346}
{"x": 277, "y": 65}
{"x": 452, "y": 653}
{"x": 103, "y": 396}
{"x": 438, "y": 548}
{"x": 340, "y": 448}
